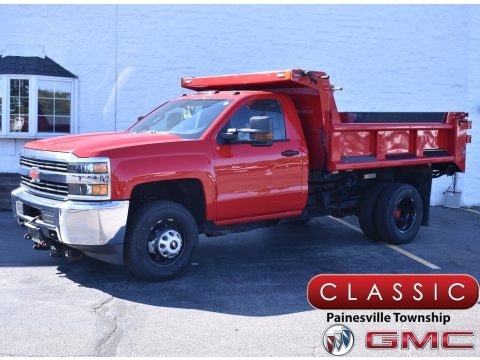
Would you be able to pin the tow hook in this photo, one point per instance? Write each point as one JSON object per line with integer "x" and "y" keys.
{"x": 72, "y": 254}
{"x": 41, "y": 246}
{"x": 55, "y": 251}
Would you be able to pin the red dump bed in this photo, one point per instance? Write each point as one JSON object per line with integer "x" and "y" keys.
{"x": 354, "y": 140}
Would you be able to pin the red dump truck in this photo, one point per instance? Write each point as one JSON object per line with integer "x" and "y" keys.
{"x": 242, "y": 151}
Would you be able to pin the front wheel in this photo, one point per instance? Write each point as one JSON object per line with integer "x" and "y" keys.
{"x": 161, "y": 240}
{"x": 399, "y": 213}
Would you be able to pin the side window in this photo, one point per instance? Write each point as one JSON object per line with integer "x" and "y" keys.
{"x": 261, "y": 107}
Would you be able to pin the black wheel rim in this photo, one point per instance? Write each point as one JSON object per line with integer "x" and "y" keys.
{"x": 405, "y": 214}
{"x": 165, "y": 242}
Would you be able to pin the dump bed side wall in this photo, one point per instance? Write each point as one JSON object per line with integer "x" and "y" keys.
{"x": 360, "y": 145}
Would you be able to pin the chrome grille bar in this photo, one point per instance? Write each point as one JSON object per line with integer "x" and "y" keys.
{"x": 45, "y": 186}
{"x": 59, "y": 166}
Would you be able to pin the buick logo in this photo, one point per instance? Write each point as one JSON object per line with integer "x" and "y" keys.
{"x": 338, "y": 340}
{"x": 34, "y": 175}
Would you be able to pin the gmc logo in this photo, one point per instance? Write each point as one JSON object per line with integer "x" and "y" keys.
{"x": 390, "y": 339}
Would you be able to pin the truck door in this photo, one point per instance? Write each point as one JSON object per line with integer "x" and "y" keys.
{"x": 260, "y": 181}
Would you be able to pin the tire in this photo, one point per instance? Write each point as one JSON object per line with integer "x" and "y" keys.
{"x": 399, "y": 213}
{"x": 366, "y": 210}
{"x": 161, "y": 240}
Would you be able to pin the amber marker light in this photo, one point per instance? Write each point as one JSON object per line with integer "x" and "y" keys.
{"x": 100, "y": 168}
{"x": 99, "y": 189}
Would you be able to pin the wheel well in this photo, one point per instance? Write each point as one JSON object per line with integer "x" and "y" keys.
{"x": 186, "y": 192}
{"x": 420, "y": 177}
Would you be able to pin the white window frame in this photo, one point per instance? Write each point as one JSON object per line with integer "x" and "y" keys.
{"x": 33, "y": 107}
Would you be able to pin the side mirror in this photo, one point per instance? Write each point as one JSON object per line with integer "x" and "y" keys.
{"x": 261, "y": 133}
{"x": 140, "y": 118}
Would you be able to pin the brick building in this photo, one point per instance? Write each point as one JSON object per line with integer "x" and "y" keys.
{"x": 120, "y": 61}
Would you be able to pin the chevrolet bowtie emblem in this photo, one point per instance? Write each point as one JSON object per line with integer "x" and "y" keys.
{"x": 34, "y": 175}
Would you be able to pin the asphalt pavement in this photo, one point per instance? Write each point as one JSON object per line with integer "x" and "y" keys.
{"x": 245, "y": 294}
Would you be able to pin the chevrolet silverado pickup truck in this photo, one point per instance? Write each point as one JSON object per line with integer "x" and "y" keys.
{"x": 242, "y": 151}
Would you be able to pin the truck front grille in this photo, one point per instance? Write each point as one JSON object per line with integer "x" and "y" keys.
{"x": 49, "y": 187}
{"x": 51, "y": 165}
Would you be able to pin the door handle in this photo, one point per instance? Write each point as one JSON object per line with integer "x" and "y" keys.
{"x": 290, "y": 153}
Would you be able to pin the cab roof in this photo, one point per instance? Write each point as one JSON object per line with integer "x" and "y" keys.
{"x": 222, "y": 94}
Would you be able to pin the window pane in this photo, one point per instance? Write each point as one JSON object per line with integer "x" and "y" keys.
{"x": 18, "y": 87}
{"x": 62, "y": 107}
{"x": 45, "y": 106}
{"x": 46, "y": 123}
{"x": 46, "y": 88}
{"x": 19, "y": 123}
{"x": 62, "y": 124}
{"x": 18, "y": 105}
{"x": 24, "y": 88}
{"x": 63, "y": 89}
{"x": 14, "y": 87}
{"x": 54, "y": 106}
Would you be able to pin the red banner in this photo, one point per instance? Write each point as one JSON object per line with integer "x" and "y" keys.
{"x": 392, "y": 291}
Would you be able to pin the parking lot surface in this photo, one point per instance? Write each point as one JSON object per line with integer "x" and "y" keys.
{"x": 245, "y": 294}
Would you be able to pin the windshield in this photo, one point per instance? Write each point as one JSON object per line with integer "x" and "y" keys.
{"x": 187, "y": 119}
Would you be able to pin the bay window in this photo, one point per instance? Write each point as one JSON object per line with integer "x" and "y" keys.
{"x": 36, "y": 105}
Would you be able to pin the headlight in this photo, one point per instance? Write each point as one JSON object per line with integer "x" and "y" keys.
{"x": 89, "y": 179}
{"x": 88, "y": 168}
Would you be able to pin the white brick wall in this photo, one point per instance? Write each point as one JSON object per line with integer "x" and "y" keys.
{"x": 388, "y": 58}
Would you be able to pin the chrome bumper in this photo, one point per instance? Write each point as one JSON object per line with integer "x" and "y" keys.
{"x": 88, "y": 226}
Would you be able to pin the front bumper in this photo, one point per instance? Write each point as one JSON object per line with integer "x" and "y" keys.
{"x": 96, "y": 228}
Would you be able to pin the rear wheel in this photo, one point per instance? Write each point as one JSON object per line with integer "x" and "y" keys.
{"x": 161, "y": 241}
{"x": 366, "y": 210}
{"x": 399, "y": 213}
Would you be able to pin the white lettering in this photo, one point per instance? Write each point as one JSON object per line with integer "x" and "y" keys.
{"x": 374, "y": 291}
{"x": 350, "y": 297}
{"x": 420, "y": 295}
{"x": 450, "y": 292}
{"x": 395, "y": 288}
{"x": 323, "y": 295}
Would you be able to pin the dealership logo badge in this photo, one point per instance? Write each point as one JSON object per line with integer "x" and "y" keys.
{"x": 338, "y": 340}
{"x": 34, "y": 175}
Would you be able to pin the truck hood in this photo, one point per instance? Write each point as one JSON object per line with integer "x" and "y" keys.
{"x": 87, "y": 145}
